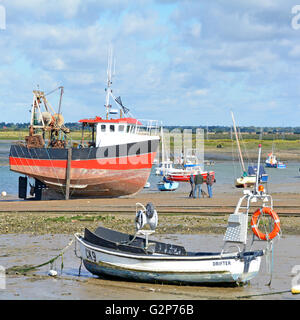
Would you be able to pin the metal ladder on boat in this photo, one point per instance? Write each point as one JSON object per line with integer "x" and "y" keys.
{"x": 237, "y": 228}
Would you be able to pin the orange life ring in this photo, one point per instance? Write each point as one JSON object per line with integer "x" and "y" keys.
{"x": 274, "y": 216}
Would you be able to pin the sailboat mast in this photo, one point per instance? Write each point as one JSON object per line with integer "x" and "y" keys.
{"x": 162, "y": 148}
{"x": 238, "y": 143}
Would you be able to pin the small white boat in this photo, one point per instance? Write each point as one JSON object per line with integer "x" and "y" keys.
{"x": 273, "y": 162}
{"x": 167, "y": 185}
{"x": 147, "y": 185}
{"x": 114, "y": 254}
{"x": 164, "y": 167}
{"x": 249, "y": 180}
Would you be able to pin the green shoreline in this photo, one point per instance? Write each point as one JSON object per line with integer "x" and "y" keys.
{"x": 285, "y": 149}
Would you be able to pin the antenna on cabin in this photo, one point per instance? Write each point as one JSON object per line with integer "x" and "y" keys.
{"x": 111, "y": 69}
{"x": 109, "y": 81}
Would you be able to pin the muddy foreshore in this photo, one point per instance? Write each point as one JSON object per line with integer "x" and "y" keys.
{"x": 49, "y": 223}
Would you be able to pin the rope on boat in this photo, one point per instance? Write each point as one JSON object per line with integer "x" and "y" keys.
{"x": 262, "y": 294}
{"x": 23, "y": 269}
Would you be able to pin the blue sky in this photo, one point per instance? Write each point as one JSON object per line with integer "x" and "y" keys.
{"x": 187, "y": 62}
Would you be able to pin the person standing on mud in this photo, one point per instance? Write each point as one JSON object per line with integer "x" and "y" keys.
{"x": 192, "y": 181}
{"x": 209, "y": 182}
{"x": 198, "y": 184}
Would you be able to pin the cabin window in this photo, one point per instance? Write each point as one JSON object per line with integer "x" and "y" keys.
{"x": 103, "y": 127}
{"x": 128, "y": 128}
{"x": 112, "y": 128}
{"x": 121, "y": 127}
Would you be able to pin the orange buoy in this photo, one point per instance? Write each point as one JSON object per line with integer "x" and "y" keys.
{"x": 257, "y": 232}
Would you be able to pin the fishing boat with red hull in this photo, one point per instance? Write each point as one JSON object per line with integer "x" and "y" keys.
{"x": 114, "y": 160}
{"x": 190, "y": 166}
{"x": 93, "y": 172}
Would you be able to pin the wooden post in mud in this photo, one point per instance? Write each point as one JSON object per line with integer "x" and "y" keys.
{"x": 68, "y": 176}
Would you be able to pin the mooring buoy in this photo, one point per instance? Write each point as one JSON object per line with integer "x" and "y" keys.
{"x": 52, "y": 273}
{"x": 295, "y": 289}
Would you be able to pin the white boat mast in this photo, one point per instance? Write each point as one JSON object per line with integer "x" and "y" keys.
{"x": 163, "y": 150}
{"x": 109, "y": 82}
{"x": 238, "y": 143}
{"x": 258, "y": 168}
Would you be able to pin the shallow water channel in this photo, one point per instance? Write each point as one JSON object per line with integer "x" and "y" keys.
{"x": 18, "y": 250}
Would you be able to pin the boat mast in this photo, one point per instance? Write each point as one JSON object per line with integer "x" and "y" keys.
{"x": 109, "y": 82}
{"x": 162, "y": 149}
{"x": 60, "y": 99}
{"x": 238, "y": 143}
{"x": 258, "y": 169}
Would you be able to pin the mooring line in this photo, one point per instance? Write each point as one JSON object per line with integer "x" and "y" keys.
{"x": 262, "y": 294}
{"x": 24, "y": 269}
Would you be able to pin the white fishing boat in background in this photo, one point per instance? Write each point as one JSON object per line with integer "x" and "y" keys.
{"x": 191, "y": 165}
{"x": 164, "y": 167}
{"x": 273, "y": 162}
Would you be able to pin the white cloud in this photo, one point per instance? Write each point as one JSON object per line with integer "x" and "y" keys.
{"x": 237, "y": 53}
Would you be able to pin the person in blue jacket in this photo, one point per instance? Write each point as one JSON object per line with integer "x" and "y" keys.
{"x": 192, "y": 185}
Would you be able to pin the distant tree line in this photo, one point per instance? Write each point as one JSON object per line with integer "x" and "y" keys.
{"x": 207, "y": 129}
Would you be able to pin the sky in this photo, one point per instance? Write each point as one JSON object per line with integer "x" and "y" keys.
{"x": 182, "y": 62}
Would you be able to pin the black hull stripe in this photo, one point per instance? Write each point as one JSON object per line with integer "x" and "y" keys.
{"x": 122, "y": 150}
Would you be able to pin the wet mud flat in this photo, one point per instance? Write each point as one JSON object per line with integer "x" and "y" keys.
{"x": 33, "y": 232}
{"x": 26, "y": 249}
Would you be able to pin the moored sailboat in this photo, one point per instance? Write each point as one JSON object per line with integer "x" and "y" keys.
{"x": 248, "y": 177}
{"x": 165, "y": 184}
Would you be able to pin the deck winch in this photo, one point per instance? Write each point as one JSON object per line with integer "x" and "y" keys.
{"x": 146, "y": 216}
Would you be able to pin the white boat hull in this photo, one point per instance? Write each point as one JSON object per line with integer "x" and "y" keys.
{"x": 245, "y": 181}
{"x": 203, "y": 269}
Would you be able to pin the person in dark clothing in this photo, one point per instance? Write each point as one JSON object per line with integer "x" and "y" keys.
{"x": 210, "y": 180}
{"x": 192, "y": 181}
{"x": 198, "y": 184}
